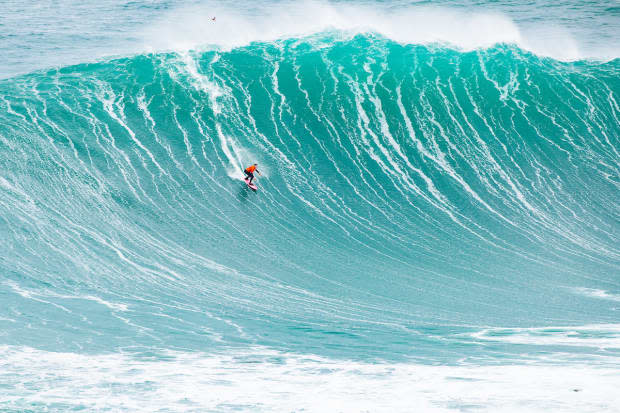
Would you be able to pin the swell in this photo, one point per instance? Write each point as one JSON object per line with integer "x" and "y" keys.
{"x": 408, "y": 192}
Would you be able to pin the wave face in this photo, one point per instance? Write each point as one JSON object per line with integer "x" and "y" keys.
{"x": 416, "y": 203}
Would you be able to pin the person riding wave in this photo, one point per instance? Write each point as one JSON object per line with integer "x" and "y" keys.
{"x": 249, "y": 172}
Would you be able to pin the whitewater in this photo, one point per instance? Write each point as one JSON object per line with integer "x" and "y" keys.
{"x": 436, "y": 227}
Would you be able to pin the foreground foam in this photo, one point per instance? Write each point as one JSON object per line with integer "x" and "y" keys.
{"x": 264, "y": 380}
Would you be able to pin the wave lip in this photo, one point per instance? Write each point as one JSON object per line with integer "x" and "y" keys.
{"x": 192, "y": 27}
{"x": 49, "y": 39}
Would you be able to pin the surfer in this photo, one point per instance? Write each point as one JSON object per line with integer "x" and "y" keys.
{"x": 249, "y": 172}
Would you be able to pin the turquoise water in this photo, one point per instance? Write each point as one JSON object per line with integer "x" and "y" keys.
{"x": 432, "y": 218}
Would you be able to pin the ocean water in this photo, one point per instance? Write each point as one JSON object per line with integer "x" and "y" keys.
{"x": 436, "y": 227}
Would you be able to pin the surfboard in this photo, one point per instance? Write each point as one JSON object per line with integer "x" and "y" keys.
{"x": 252, "y": 186}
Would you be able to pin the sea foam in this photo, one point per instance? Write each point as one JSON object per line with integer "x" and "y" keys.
{"x": 192, "y": 27}
{"x": 265, "y": 380}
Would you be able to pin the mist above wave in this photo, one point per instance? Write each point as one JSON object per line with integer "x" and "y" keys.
{"x": 464, "y": 29}
{"x": 75, "y": 32}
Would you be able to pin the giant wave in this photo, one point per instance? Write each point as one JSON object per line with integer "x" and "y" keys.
{"x": 417, "y": 203}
